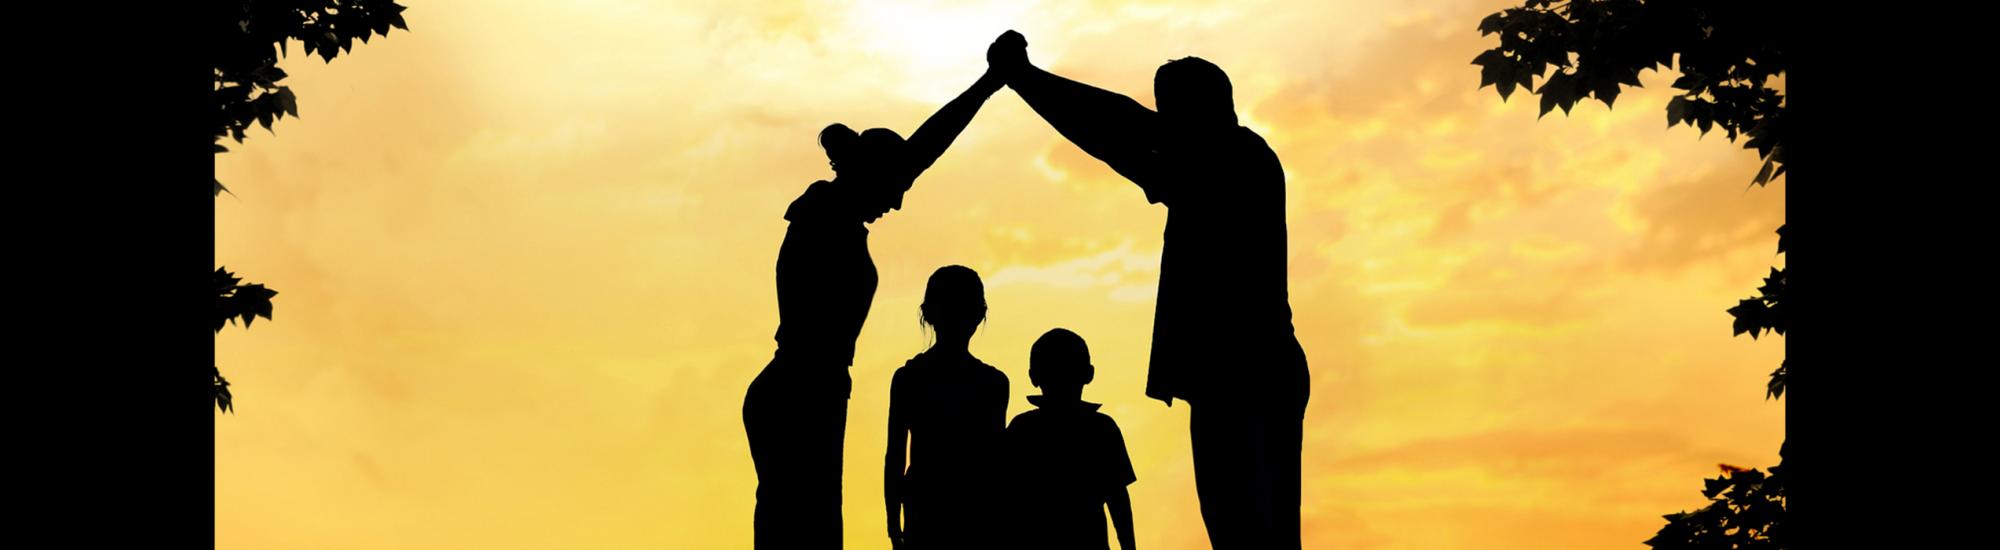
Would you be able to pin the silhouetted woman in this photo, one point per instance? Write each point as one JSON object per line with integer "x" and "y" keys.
{"x": 951, "y": 410}
{"x": 795, "y": 412}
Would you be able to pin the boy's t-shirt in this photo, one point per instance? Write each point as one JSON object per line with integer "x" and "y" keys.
{"x": 1067, "y": 458}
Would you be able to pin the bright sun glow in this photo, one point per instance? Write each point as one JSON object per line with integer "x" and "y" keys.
{"x": 930, "y": 42}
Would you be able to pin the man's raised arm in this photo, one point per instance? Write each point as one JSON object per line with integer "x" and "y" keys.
{"x": 1109, "y": 126}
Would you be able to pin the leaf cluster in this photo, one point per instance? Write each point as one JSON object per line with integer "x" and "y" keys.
{"x": 1746, "y": 511}
{"x": 1728, "y": 53}
{"x": 234, "y": 300}
{"x": 252, "y": 35}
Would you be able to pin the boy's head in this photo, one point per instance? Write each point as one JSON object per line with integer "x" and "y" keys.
{"x": 1060, "y": 361}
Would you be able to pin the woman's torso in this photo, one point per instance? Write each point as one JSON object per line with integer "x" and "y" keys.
{"x": 826, "y": 280}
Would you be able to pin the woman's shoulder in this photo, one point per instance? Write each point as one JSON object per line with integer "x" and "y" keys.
{"x": 817, "y": 203}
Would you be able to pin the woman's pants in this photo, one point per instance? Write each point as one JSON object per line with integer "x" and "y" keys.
{"x": 796, "y": 419}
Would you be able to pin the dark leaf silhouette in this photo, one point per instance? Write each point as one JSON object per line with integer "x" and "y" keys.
{"x": 1746, "y": 510}
{"x": 1750, "y": 317}
{"x": 1764, "y": 312}
{"x": 1677, "y": 110}
{"x": 1776, "y": 388}
{"x": 1491, "y": 24}
{"x": 223, "y": 400}
{"x": 234, "y": 301}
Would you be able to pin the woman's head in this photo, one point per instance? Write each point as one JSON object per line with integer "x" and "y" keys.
{"x": 954, "y": 301}
{"x": 871, "y": 164}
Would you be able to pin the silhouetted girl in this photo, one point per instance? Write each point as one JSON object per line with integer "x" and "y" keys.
{"x": 951, "y": 410}
{"x": 795, "y": 412}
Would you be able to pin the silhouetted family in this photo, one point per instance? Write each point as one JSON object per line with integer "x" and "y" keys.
{"x": 957, "y": 474}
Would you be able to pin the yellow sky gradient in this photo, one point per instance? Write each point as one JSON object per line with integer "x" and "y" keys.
{"x": 524, "y": 255}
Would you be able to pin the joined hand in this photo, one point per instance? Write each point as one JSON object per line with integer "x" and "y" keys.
{"x": 1008, "y": 54}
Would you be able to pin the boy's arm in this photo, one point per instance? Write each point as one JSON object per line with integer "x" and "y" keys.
{"x": 1120, "y": 503}
{"x": 936, "y": 134}
{"x": 1119, "y": 472}
{"x": 1109, "y": 126}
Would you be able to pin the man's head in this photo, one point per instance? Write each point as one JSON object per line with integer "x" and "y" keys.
{"x": 1060, "y": 362}
{"x": 1194, "y": 94}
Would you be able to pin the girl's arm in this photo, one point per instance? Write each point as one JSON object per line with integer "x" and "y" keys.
{"x": 930, "y": 140}
{"x": 999, "y": 400}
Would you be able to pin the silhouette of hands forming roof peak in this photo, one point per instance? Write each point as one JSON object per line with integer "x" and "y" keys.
{"x": 1008, "y": 54}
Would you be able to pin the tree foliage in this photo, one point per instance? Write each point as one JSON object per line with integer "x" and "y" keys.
{"x": 250, "y": 37}
{"x": 1729, "y": 53}
{"x": 254, "y": 34}
{"x": 236, "y": 300}
{"x": 1746, "y": 511}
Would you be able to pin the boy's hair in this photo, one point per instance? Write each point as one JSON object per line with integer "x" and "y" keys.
{"x": 1061, "y": 358}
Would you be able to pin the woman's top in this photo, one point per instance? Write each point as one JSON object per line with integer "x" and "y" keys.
{"x": 826, "y": 280}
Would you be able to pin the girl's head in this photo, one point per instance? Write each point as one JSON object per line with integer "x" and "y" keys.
{"x": 871, "y": 163}
{"x": 954, "y": 301}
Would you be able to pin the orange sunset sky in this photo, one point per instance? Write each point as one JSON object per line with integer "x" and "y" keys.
{"x": 525, "y": 262}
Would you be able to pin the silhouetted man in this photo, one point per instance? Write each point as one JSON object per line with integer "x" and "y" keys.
{"x": 1222, "y": 329}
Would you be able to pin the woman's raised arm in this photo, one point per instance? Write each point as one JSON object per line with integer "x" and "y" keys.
{"x": 937, "y": 133}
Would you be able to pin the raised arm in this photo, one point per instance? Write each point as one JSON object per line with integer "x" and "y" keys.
{"x": 1111, "y": 127}
{"x": 930, "y": 140}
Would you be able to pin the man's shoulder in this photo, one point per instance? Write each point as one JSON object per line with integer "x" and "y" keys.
{"x": 1254, "y": 144}
{"x": 1104, "y": 422}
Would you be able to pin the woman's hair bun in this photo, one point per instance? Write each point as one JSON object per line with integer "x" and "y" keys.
{"x": 838, "y": 141}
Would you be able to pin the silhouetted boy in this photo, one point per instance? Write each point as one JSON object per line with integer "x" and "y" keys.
{"x": 1070, "y": 459}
